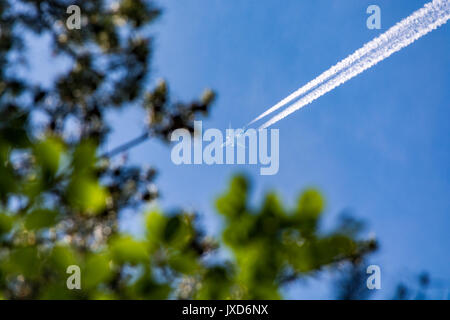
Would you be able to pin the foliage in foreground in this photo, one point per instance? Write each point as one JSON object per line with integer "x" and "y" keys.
{"x": 60, "y": 197}
{"x": 270, "y": 247}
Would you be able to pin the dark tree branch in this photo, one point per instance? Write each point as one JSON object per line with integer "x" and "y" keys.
{"x": 126, "y": 146}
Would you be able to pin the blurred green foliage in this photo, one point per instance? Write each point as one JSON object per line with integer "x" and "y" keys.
{"x": 60, "y": 196}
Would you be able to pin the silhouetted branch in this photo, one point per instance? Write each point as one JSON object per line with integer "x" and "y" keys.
{"x": 126, "y": 146}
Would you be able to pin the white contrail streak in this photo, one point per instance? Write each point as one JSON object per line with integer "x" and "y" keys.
{"x": 421, "y": 22}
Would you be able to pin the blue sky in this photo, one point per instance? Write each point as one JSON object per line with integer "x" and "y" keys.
{"x": 377, "y": 145}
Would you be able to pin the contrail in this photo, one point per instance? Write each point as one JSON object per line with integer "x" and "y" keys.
{"x": 421, "y": 22}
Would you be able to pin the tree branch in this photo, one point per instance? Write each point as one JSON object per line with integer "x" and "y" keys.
{"x": 126, "y": 146}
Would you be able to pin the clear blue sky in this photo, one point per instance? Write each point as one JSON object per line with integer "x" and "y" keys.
{"x": 378, "y": 145}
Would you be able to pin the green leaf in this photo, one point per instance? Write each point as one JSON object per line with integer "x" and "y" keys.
{"x": 156, "y": 223}
{"x": 41, "y": 218}
{"x": 310, "y": 204}
{"x": 61, "y": 257}
{"x": 25, "y": 261}
{"x": 6, "y": 223}
{"x": 179, "y": 231}
{"x": 96, "y": 270}
{"x": 124, "y": 249}
{"x": 48, "y": 154}
{"x": 184, "y": 263}
{"x": 216, "y": 284}
{"x": 87, "y": 194}
{"x": 84, "y": 157}
{"x": 234, "y": 202}
{"x": 172, "y": 227}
